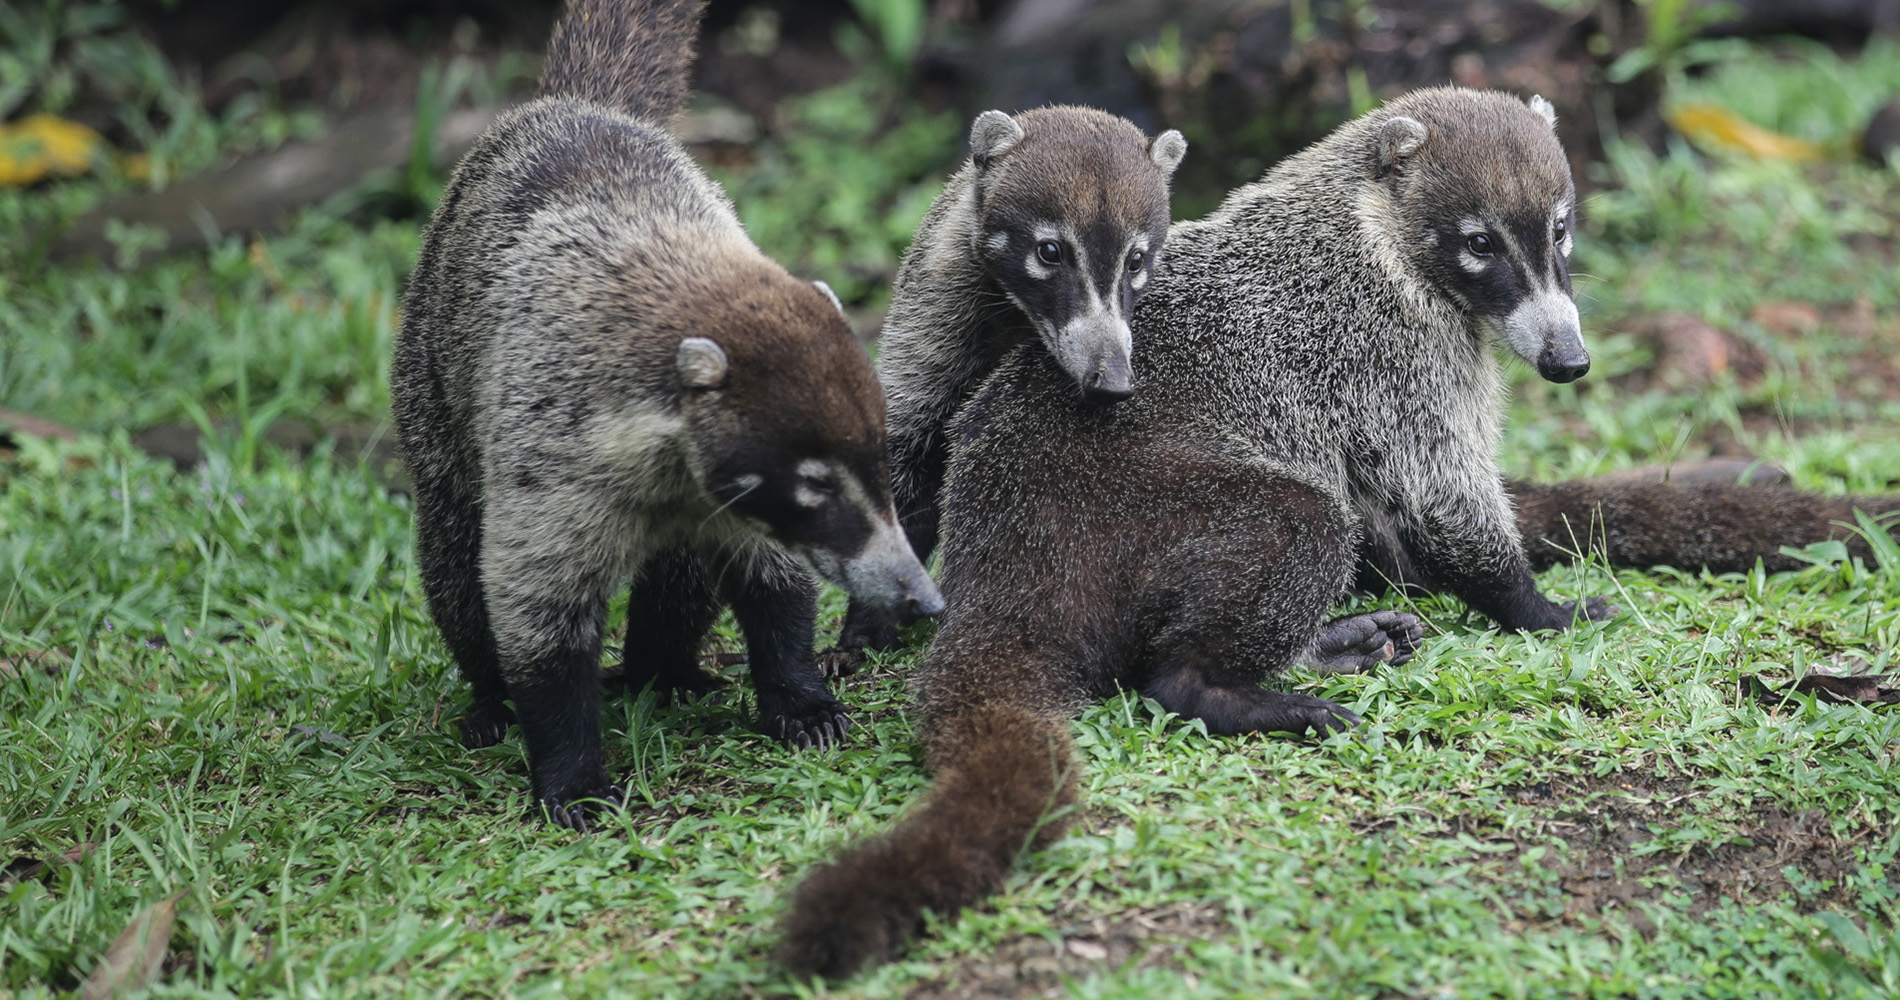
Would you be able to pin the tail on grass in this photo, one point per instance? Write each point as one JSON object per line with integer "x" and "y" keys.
{"x": 1721, "y": 528}
{"x": 633, "y": 55}
{"x": 1002, "y": 786}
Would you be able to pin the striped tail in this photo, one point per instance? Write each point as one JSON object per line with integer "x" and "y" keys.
{"x": 1002, "y": 787}
{"x": 633, "y": 55}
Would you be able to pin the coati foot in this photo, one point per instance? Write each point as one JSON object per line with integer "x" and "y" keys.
{"x": 486, "y": 723}
{"x": 1595, "y": 609}
{"x": 577, "y": 810}
{"x": 863, "y": 632}
{"x": 1246, "y": 709}
{"x": 818, "y": 723}
{"x": 1357, "y": 643}
{"x": 839, "y": 661}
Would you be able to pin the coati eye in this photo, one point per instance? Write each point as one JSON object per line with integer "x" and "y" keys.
{"x": 1049, "y": 252}
{"x": 822, "y": 485}
{"x": 1557, "y": 234}
{"x": 1135, "y": 260}
{"x": 1479, "y": 243}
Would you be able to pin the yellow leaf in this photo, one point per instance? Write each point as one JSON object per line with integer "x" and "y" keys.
{"x": 1718, "y": 130}
{"x": 41, "y": 145}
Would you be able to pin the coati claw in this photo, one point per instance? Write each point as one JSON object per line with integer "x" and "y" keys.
{"x": 1593, "y": 609}
{"x": 839, "y": 661}
{"x": 818, "y": 728}
{"x": 486, "y": 723}
{"x": 576, "y": 812}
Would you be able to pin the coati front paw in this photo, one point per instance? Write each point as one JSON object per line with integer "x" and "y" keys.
{"x": 819, "y": 723}
{"x": 486, "y": 723}
{"x": 576, "y": 810}
{"x": 1357, "y": 643}
{"x": 1595, "y": 609}
{"x": 864, "y": 631}
{"x": 1302, "y": 713}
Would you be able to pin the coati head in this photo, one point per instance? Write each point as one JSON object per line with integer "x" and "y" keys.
{"x": 785, "y": 423}
{"x": 1490, "y": 214}
{"x": 1073, "y": 208}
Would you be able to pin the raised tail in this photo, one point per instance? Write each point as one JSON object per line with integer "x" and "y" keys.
{"x": 1721, "y": 528}
{"x": 634, "y": 55}
{"x": 1005, "y": 776}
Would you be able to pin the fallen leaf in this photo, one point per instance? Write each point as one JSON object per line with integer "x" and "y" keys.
{"x": 133, "y": 961}
{"x": 1718, "y": 130}
{"x": 1787, "y": 319}
{"x": 1094, "y": 951}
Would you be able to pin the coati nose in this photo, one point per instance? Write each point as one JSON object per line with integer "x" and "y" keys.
{"x": 1563, "y": 365}
{"x": 1108, "y": 381}
{"x": 921, "y": 599}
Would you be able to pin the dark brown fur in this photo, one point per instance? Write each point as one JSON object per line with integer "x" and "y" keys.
{"x": 640, "y": 63}
{"x": 1720, "y": 528}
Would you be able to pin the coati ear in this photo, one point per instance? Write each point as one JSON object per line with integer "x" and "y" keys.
{"x": 1167, "y": 149}
{"x": 702, "y": 363}
{"x": 1542, "y": 107}
{"x": 1399, "y": 138}
{"x": 993, "y": 134}
{"x": 833, "y": 296}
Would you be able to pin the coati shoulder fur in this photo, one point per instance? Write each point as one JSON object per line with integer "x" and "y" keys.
{"x": 1051, "y": 232}
{"x": 1314, "y": 369}
{"x": 600, "y": 379}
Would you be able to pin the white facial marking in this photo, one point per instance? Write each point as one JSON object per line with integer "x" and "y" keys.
{"x": 1534, "y": 322}
{"x": 1468, "y": 227}
{"x": 997, "y": 242}
{"x": 1047, "y": 234}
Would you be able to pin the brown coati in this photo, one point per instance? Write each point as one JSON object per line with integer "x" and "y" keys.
{"x": 599, "y": 380}
{"x": 1719, "y": 527}
{"x": 1050, "y": 231}
{"x": 1314, "y": 371}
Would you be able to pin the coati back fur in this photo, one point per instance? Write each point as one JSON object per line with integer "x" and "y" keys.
{"x": 1315, "y": 367}
{"x": 600, "y": 379}
{"x": 1050, "y": 231}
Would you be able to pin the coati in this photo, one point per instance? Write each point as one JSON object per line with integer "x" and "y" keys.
{"x": 599, "y": 380}
{"x": 1314, "y": 370}
{"x": 1050, "y": 231}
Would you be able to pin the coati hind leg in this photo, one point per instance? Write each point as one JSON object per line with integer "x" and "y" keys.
{"x": 775, "y": 603}
{"x": 672, "y": 605}
{"x": 1244, "y": 596}
{"x": 448, "y": 553}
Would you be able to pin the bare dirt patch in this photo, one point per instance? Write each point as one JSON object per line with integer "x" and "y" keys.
{"x": 1613, "y": 864}
{"x": 1033, "y": 966}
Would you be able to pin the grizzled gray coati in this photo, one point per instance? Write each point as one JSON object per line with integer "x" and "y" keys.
{"x": 599, "y": 380}
{"x": 1050, "y": 231}
{"x": 1313, "y": 362}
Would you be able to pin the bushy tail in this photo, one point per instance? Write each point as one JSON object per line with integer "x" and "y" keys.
{"x": 1723, "y": 528}
{"x": 634, "y": 55}
{"x": 1004, "y": 781}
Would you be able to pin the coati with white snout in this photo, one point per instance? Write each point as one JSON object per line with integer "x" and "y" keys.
{"x": 1051, "y": 232}
{"x": 1314, "y": 361}
{"x": 599, "y": 380}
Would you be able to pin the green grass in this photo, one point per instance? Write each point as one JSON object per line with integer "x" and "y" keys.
{"x": 224, "y": 684}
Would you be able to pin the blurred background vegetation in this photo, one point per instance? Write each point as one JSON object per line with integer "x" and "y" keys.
{"x": 208, "y": 210}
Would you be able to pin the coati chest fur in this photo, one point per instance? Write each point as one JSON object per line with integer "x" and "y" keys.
{"x": 1050, "y": 232}
{"x": 600, "y": 380}
{"x": 1314, "y": 356}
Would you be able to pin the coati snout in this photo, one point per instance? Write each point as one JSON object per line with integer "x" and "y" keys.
{"x": 1499, "y": 243}
{"x": 1070, "y": 230}
{"x": 812, "y": 477}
